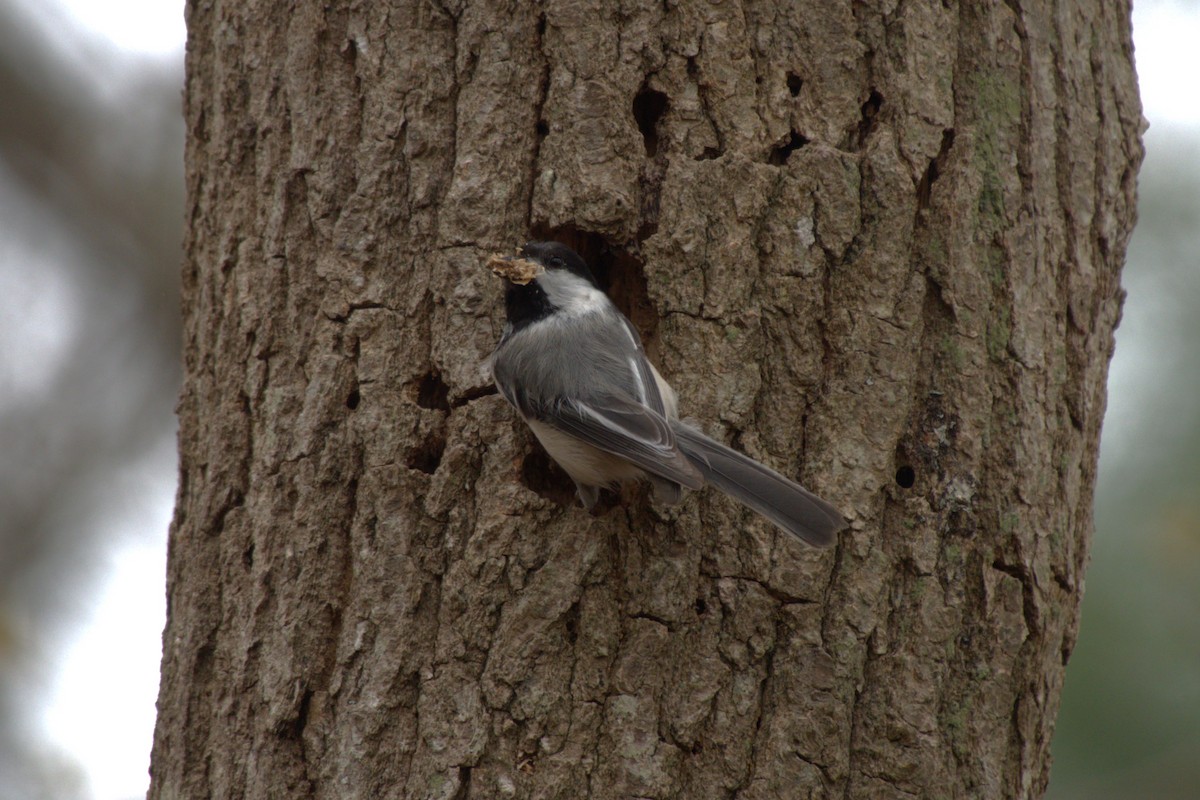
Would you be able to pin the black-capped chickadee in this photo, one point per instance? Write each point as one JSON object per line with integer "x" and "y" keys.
{"x": 574, "y": 368}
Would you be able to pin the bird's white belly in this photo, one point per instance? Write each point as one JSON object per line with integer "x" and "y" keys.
{"x": 585, "y": 464}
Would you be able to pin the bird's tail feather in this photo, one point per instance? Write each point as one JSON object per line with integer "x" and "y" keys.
{"x": 787, "y": 504}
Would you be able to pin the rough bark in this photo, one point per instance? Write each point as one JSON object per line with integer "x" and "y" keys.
{"x": 877, "y": 245}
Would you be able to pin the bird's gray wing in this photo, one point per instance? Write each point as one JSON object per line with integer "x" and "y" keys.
{"x": 624, "y": 428}
{"x": 643, "y": 373}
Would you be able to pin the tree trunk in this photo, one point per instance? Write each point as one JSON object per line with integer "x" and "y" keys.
{"x": 876, "y": 246}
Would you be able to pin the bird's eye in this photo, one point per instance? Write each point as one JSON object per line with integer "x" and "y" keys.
{"x": 555, "y": 261}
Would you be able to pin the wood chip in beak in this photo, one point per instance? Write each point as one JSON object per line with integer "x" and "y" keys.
{"x": 514, "y": 268}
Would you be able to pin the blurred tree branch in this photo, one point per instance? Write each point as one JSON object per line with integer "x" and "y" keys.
{"x": 95, "y": 170}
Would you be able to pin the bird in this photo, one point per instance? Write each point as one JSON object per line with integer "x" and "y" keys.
{"x": 574, "y": 368}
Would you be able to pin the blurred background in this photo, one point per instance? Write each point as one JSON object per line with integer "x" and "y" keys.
{"x": 91, "y": 205}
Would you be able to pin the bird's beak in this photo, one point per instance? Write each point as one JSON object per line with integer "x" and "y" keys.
{"x": 514, "y": 268}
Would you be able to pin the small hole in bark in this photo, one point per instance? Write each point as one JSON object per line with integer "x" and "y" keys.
{"x": 432, "y": 392}
{"x": 709, "y": 154}
{"x": 352, "y": 400}
{"x": 426, "y": 456}
{"x": 572, "y": 623}
{"x": 294, "y": 728}
{"x": 542, "y": 128}
{"x": 780, "y": 153}
{"x": 794, "y": 83}
{"x": 934, "y": 170}
{"x": 648, "y": 108}
{"x": 906, "y": 477}
{"x": 471, "y": 395}
{"x": 701, "y": 606}
{"x": 542, "y": 476}
{"x": 870, "y": 111}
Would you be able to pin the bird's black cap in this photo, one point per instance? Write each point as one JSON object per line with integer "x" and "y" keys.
{"x": 556, "y": 255}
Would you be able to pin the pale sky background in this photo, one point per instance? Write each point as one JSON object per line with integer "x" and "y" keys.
{"x": 118, "y": 642}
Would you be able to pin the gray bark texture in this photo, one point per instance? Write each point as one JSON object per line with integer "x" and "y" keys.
{"x": 875, "y": 244}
